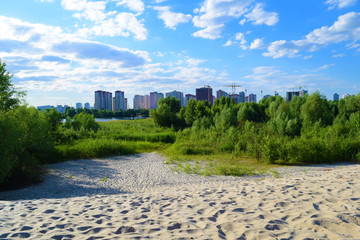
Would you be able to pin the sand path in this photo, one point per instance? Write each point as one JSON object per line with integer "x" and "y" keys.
{"x": 142, "y": 198}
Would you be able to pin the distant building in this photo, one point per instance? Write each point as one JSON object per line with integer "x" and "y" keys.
{"x": 126, "y": 104}
{"x": 345, "y": 96}
{"x": 147, "y": 102}
{"x": 290, "y": 95}
{"x": 103, "y": 100}
{"x": 241, "y": 97}
{"x": 42, "y": 108}
{"x": 78, "y": 105}
{"x": 60, "y": 109}
{"x": 221, "y": 93}
{"x": 252, "y": 97}
{"x": 188, "y": 97}
{"x": 336, "y": 97}
{"x": 204, "y": 94}
{"x": 236, "y": 97}
{"x": 154, "y": 98}
{"x": 119, "y": 101}
{"x": 139, "y": 102}
{"x": 87, "y": 105}
{"x": 266, "y": 96}
{"x": 177, "y": 95}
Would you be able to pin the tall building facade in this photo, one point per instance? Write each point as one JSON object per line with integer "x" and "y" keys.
{"x": 236, "y": 97}
{"x": 78, "y": 105}
{"x": 221, "y": 93}
{"x": 188, "y": 97}
{"x": 336, "y": 97}
{"x": 147, "y": 102}
{"x": 252, "y": 97}
{"x": 204, "y": 94}
{"x": 139, "y": 102}
{"x": 241, "y": 97}
{"x": 154, "y": 98}
{"x": 103, "y": 100}
{"x": 87, "y": 105}
{"x": 176, "y": 95}
{"x": 119, "y": 101}
{"x": 290, "y": 95}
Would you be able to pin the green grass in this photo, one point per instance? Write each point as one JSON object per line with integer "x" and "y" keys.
{"x": 115, "y": 138}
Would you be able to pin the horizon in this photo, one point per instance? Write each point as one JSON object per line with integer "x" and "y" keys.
{"x": 62, "y": 51}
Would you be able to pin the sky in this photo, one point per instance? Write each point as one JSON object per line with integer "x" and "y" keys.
{"x": 61, "y": 51}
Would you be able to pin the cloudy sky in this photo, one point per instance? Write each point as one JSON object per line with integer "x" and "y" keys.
{"x": 61, "y": 51}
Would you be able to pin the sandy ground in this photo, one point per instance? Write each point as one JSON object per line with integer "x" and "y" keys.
{"x": 140, "y": 197}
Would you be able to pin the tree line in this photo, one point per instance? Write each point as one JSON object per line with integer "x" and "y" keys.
{"x": 308, "y": 129}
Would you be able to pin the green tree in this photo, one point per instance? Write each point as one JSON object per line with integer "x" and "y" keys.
{"x": 10, "y": 97}
{"x": 316, "y": 108}
{"x": 54, "y": 117}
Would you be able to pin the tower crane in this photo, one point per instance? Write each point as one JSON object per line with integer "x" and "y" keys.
{"x": 233, "y": 87}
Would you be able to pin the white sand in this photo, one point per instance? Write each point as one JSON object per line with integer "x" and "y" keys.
{"x": 143, "y": 199}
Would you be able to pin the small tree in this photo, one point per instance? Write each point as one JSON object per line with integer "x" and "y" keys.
{"x": 9, "y": 95}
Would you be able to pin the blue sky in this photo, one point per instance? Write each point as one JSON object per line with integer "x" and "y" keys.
{"x": 61, "y": 51}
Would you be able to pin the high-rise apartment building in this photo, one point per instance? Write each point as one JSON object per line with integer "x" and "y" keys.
{"x": 119, "y": 101}
{"x": 139, "y": 102}
{"x": 290, "y": 95}
{"x": 221, "y": 93}
{"x": 336, "y": 97}
{"x": 78, "y": 105}
{"x": 154, "y": 98}
{"x": 103, "y": 100}
{"x": 252, "y": 97}
{"x": 241, "y": 97}
{"x": 176, "y": 95}
{"x": 204, "y": 94}
{"x": 147, "y": 102}
{"x": 87, "y": 105}
{"x": 236, "y": 97}
{"x": 188, "y": 97}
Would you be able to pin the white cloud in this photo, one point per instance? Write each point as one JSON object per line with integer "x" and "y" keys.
{"x": 324, "y": 67}
{"x": 104, "y": 22}
{"x": 340, "y": 55}
{"x": 172, "y": 19}
{"x": 211, "y": 32}
{"x": 271, "y": 78}
{"x": 240, "y": 37}
{"x": 257, "y": 44}
{"x": 346, "y": 28}
{"x": 134, "y": 5}
{"x": 340, "y": 3}
{"x": 307, "y": 57}
{"x": 215, "y": 13}
{"x": 194, "y": 62}
{"x": 228, "y": 43}
{"x": 74, "y": 5}
{"x": 47, "y": 60}
{"x": 123, "y": 24}
{"x": 259, "y": 16}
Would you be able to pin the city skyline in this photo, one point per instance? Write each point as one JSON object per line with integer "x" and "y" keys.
{"x": 61, "y": 51}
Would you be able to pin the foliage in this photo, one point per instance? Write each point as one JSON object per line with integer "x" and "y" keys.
{"x": 10, "y": 97}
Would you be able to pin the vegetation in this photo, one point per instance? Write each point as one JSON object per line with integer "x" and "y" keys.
{"x": 305, "y": 130}
{"x": 224, "y": 138}
{"x": 30, "y": 138}
{"x": 129, "y": 113}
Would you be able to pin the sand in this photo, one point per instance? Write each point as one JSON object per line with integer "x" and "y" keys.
{"x": 142, "y": 198}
